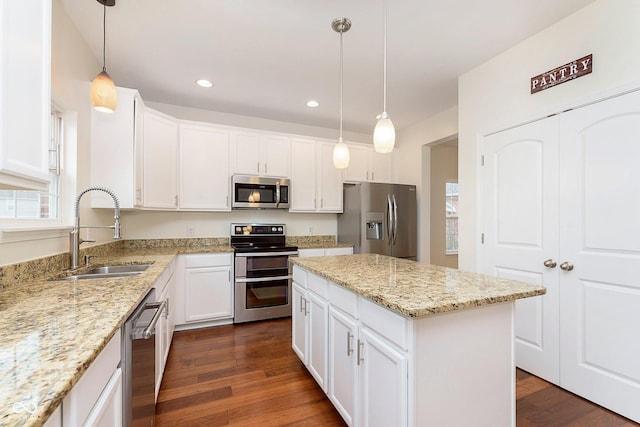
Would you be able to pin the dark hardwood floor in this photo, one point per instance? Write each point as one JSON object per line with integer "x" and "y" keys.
{"x": 247, "y": 375}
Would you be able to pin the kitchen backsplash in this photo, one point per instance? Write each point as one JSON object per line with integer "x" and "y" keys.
{"x": 14, "y": 274}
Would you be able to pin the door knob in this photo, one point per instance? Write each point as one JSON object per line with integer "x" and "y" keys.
{"x": 550, "y": 263}
{"x": 566, "y": 266}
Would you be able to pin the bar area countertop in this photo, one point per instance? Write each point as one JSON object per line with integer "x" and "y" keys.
{"x": 414, "y": 289}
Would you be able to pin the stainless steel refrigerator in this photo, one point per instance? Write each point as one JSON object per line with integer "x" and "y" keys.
{"x": 380, "y": 219}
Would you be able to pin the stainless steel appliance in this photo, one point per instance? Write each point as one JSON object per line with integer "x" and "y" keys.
{"x": 255, "y": 192}
{"x": 263, "y": 277}
{"x": 139, "y": 363}
{"x": 380, "y": 219}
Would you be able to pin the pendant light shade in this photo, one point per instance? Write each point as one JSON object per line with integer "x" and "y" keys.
{"x": 384, "y": 134}
{"x": 341, "y": 155}
{"x": 103, "y": 93}
{"x": 341, "y": 150}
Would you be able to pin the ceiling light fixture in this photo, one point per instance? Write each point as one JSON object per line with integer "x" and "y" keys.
{"x": 341, "y": 150}
{"x": 204, "y": 83}
{"x": 312, "y": 103}
{"x": 103, "y": 91}
{"x": 384, "y": 134}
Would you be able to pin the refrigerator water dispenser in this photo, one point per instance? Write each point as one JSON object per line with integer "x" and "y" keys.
{"x": 374, "y": 226}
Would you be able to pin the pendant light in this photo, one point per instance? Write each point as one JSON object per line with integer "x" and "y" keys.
{"x": 103, "y": 91}
{"x": 341, "y": 150}
{"x": 384, "y": 134}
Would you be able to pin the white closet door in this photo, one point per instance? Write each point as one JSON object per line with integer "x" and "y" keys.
{"x": 520, "y": 217}
{"x": 600, "y": 235}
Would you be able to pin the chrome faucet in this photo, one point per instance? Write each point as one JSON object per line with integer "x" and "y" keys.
{"x": 74, "y": 236}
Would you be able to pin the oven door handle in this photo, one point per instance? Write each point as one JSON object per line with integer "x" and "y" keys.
{"x": 273, "y": 254}
{"x": 261, "y": 279}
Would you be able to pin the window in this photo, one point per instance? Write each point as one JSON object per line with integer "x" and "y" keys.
{"x": 451, "y": 215}
{"x": 38, "y": 205}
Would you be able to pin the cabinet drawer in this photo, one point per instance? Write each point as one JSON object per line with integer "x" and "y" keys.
{"x": 318, "y": 285}
{"x": 310, "y": 252}
{"x": 83, "y": 396}
{"x": 207, "y": 260}
{"x": 386, "y": 323}
{"x": 343, "y": 299}
{"x": 300, "y": 276}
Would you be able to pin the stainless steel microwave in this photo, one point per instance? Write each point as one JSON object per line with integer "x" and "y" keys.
{"x": 255, "y": 192}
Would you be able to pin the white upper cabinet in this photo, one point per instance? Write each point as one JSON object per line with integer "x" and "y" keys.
{"x": 303, "y": 175}
{"x": 316, "y": 184}
{"x": 114, "y": 138}
{"x": 260, "y": 154}
{"x": 25, "y": 93}
{"x": 204, "y": 167}
{"x": 330, "y": 179}
{"x": 160, "y": 150}
{"x": 368, "y": 166}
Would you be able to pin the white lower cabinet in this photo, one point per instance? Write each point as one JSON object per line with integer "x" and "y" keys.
{"x": 363, "y": 374}
{"x": 96, "y": 399}
{"x": 383, "y": 382}
{"x": 310, "y": 328}
{"x": 164, "y": 328}
{"x": 205, "y": 291}
{"x": 343, "y": 365}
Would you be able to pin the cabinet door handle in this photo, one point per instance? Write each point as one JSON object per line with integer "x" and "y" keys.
{"x": 258, "y": 166}
{"x": 360, "y": 358}
{"x": 550, "y": 263}
{"x": 349, "y": 339}
{"x": 265, "y": 168}
{"x": 566, "y": 266}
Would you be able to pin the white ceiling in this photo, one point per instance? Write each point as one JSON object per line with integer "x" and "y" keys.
{"x": 266, "y": 58}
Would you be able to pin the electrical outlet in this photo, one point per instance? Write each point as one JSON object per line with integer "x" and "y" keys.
{"x": 310, "y": 231}
{"x": 190, "y": 231}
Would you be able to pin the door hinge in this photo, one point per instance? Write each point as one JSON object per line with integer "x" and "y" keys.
{"x": 482, "y": 238}
{"x": 482, "y": 160}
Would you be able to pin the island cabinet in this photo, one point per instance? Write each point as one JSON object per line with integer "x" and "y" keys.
{"x": 391, "y": 363}
{"x": 165, "y": 291}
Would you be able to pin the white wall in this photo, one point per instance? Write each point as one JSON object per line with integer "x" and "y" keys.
{"x": 496, "y": 95}
{"x": 413, "y": 164}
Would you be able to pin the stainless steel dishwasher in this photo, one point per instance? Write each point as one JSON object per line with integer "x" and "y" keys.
{"x": 139, "y": 362}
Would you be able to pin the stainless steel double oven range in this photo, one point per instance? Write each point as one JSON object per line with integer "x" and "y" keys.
{"x": 263, "y": 278}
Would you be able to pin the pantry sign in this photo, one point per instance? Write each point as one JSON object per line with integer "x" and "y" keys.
{"x": 570, "y": 71}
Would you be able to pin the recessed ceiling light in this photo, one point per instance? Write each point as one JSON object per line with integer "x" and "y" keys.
{"x": 312, "y": 103}
{"x": 204, "y": 83}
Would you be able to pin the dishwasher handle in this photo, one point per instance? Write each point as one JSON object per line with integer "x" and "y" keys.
{"x": 148, "y": 331}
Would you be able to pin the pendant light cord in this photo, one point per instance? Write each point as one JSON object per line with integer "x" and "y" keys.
{"x": 384, "y": 70}
{"x": 341, "y": 85}
{"x": 104, "y": 35}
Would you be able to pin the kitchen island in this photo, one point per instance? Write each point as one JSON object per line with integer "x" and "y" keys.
{"x": 395, "y": 342}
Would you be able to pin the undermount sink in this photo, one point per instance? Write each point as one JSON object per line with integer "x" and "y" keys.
{"x": 107, "y": 272}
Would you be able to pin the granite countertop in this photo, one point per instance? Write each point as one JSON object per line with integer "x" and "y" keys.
{"x": 414, "y": 289}
{"x": 51, "y": 331}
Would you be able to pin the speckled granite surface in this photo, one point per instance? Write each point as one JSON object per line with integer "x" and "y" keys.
{"x": 414, "y": 289}
{"x": 51, "y": 331}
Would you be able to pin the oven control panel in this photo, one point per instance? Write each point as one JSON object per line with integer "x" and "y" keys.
{"x": 257, "y": 229}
